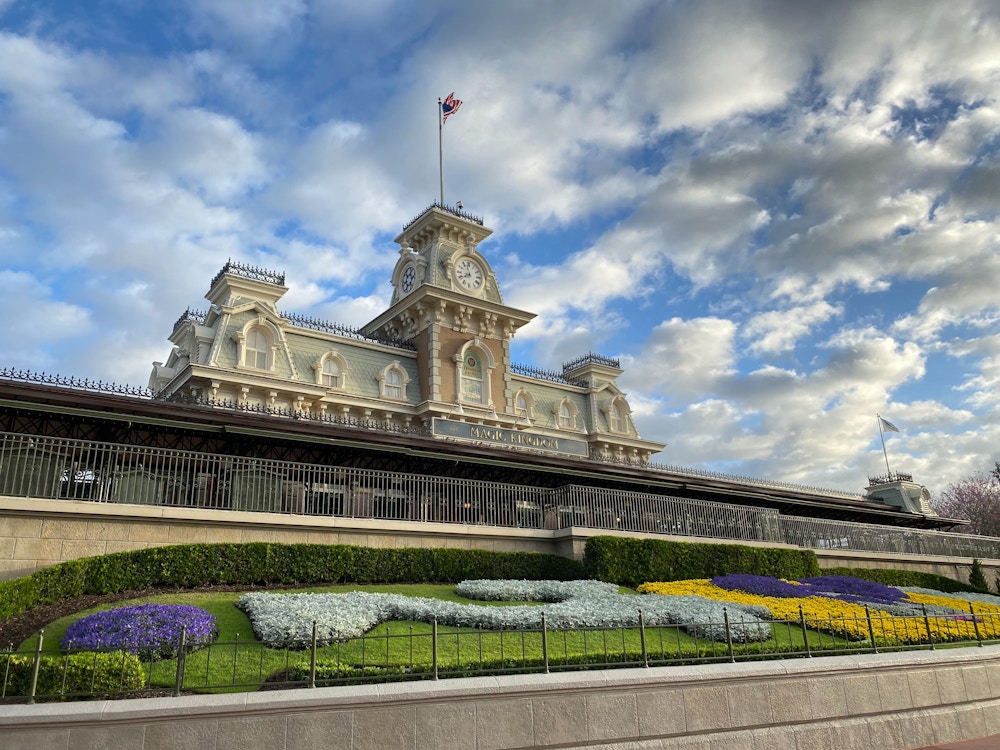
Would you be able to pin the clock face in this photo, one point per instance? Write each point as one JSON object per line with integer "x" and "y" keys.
{"x": 469, "y": 274}
{"x": 409, "y": 278}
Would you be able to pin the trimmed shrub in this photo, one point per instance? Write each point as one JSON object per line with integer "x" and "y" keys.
{"x": 977, "y": 579}
{"x": 630, "y": 562}
{"x": 895, "y": 577}
{"x": 263, "y": 564}
{"x": 100, "y": 674}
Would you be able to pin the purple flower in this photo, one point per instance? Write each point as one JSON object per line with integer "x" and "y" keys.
{"x": 760, "y": 585}
{"x": 858, "y": 590}
{"x": 844, "y": 588}
{"x": 148, "y": 630}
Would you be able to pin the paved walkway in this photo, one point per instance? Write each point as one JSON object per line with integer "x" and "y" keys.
{"x": 983, "y": 743}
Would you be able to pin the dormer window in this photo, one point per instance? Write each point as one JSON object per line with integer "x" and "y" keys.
{"x": 393, "y": 384}
{"x": 524, "y": 405}
{"x": 257, "y": 345}
{"x": 566, "y": 415}
{"x": 619, "y": 420}
{"x": 331, "y": 371}
{"x": 257, "y": 348}
{"x": 393, "y": 381}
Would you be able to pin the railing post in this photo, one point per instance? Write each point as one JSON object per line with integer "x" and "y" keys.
{"x": 33, "y": 686}
{"x": 312, "y": 659}
{"x": 434, "y": 646}
{"x": 975, "y": 625}
{"x": 179, "y": 677}
{"x": 642, "y": 640}
{"x": 545, "y": 644}
{"x": 871, "y": 630}
{"x": 927, "y": 624}
{"x": 729, "y": 635}
{"x": 805, "y": 634}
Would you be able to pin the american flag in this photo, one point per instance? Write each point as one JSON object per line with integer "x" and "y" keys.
{"x": 450, "y": 106}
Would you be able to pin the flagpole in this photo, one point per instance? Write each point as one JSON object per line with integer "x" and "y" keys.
{"x": 878, "y": 418}
{"x": 441, "y": 150}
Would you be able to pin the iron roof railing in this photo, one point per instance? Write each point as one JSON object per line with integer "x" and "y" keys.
{"x": 249, "y": 272}
{"x": 455, "y": 210}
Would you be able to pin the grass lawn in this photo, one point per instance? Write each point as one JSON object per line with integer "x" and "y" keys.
{"x": 239, "y": 662}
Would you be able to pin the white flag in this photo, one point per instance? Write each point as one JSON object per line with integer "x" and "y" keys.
{"x": 888, "y": 426}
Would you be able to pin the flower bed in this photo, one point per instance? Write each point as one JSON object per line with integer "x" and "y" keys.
{"x": 286, "y": 620}
{"x": 845, "y": 606}
{"x": 148, "y": 630}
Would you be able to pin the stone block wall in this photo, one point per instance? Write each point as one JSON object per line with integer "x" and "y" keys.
{"x": 37, "y": 533}
{"x": 875, "y": 702}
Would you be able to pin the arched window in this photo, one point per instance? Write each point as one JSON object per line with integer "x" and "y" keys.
{"x": 524, "y": 405}
{"x": 619, "y": 419}
{"x": 392, "y": 382}
{"x": 472, "y": 377}
{"x": 257, "y": 349}
{"x": 566, "y": 415}
{"x": 331, "y": 373}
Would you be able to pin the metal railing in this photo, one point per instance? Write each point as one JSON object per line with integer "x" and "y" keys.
{"x": 386, "y": 654}
{"x": 592, "y": 359}
{"x": 456, "y": 210}
{"x": 249, "y": 272}
{"x": 29, "y": 376}
{"x": 833, "y": 535}
{"x": 62, "y": 468}
{"x": 552, "y": 375}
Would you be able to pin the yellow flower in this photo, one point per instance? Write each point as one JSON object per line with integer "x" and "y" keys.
{"x": 836, "y": 616}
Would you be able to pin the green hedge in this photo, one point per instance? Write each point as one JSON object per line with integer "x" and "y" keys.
{"x": 88, "y": 674}
{"x": 630, "y": 562}
{"x": 894, "y": 577}
{"x": 263, "y": 564}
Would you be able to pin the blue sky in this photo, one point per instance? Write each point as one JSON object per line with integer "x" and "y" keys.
{"x": 781, "y": 216}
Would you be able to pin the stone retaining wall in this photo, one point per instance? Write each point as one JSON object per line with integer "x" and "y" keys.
{"x": 37, "y": 533}
{"x": 870, "y": 702}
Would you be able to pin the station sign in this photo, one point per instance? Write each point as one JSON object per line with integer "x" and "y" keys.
{"x": 500, "y": 436}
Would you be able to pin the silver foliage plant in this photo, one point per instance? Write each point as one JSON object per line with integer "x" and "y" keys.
{"x": 286, "y": 620}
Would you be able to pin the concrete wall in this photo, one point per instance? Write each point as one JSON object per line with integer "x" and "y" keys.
{"x": 37, "y": 533}
{"x": 874, "y": 702}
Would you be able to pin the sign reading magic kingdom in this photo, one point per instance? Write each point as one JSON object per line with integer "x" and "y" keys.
{"x": 509, "y": 438}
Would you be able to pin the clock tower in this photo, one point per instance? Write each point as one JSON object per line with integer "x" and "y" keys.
{"x": 447, "y": 302}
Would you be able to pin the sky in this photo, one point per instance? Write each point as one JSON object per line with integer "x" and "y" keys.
{"x": 782, "y": 217}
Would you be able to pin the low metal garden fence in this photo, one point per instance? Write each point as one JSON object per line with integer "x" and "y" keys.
{"x": 402, "y": 652}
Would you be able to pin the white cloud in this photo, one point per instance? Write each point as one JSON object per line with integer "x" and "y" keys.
{"x": 682, "y": 358}
{"x": 37, "y": 322}
{"x": 255, "y": 23}
{"x": 208, "y": 153}
{"x": 777, "y": 331}
{"x": 712, "y": 188}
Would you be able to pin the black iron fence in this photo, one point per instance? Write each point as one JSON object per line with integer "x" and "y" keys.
{"x": 62, "y": 468}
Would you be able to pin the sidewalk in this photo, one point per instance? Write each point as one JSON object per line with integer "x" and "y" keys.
{"x": 983, "y": 743}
